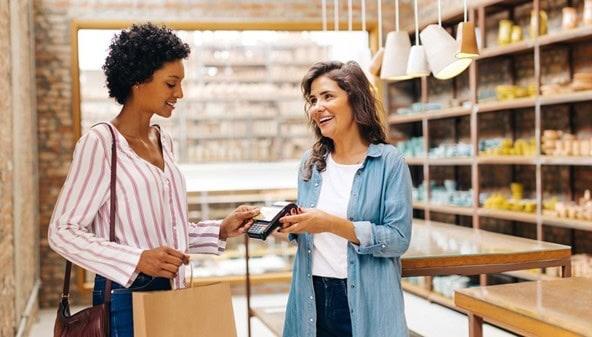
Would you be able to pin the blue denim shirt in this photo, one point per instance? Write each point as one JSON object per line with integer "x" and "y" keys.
{"x": 380, "y": 209}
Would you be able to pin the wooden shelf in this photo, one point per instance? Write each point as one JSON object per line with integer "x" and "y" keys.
{"x": 486, "y": 12}
{"x": 420, "y": 205}
{"x": 574, "y": 97}
{"x": 448, "y": 112}
{"x": 450, "y": 161}
{"x": 402, "y": 119}
{"x": 415, "y": 160}
{"x": 565, "y": 36}
{"x": 507, "y": 160}
{"x": 568, "y": 161}
{"x": 567, "y": 223}
{"x": 450, "y": 209}
{"x": 511, "y": 49}
{"x": 518, "y": 103}
{"x": 431, "y": 114}
{"x": 507, "y": 215}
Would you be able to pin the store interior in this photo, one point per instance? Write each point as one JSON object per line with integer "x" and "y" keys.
{"x": 495, "y": 125}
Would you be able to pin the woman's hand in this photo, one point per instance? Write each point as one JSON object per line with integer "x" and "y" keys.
{"x": 238, "y": 222}
{"x": 161, "y": 262}
{"x": 310, "y": 220}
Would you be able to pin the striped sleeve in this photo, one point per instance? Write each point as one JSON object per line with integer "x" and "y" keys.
{"x": 204, "y": 237}
{"x": 85, "y": 190}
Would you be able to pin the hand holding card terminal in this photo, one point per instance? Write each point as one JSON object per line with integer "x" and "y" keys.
{"x": 269, "y": 219}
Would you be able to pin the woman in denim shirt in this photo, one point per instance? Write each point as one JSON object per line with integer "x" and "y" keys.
{"x": 355, "y": 222}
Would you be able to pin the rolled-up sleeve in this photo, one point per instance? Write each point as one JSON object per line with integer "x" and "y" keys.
{"x": 391, "y": 239}
{"x": 85, "y": 190}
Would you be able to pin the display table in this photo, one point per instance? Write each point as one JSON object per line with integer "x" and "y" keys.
{"x": 561, "y": 307}
{"x": 444, "y": 249}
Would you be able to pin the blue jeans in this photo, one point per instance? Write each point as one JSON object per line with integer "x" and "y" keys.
{"x": 121, "y": 322}
{"x": 333, "y": 318}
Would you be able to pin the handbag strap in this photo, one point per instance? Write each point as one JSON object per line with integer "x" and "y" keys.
{"x": 113, "y": 203}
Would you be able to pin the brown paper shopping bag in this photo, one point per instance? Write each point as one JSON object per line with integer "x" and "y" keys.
{"x": 201, "y": 311}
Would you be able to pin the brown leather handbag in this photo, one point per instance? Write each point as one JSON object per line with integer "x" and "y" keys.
{"x": 93, "y": 321}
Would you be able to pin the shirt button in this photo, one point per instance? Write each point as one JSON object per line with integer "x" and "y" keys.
{"x": 383, "y": 246}
{"x": 312, "y": 298}
{"x": 311, "y": 205}
{"x": 353, "y": 285}
{"x": 309, "y": 251}
{"x": 312, "y": 320}
{"x": 308, "y": 275}
{"x": 316, "y": 184}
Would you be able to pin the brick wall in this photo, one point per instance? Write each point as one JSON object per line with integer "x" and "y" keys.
{"x": 52, "y": 40}
{"x": 18, "y": 173}
{"x": 7, "y": 289}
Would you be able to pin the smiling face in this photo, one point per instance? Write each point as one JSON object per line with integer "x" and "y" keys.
{"x": 330, "y": 110}
{"x": 160, "y": 94}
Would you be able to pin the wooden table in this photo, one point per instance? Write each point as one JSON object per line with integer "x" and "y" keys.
{"x": 444, "y": 249}
{"x": 550, "y": 308}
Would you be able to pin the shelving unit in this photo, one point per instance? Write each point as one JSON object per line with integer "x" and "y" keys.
{"x": 242, "y": 101}
{"x": 526, "y": 64}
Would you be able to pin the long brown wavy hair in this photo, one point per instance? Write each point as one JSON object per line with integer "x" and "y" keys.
{"x": 366, "y": 108}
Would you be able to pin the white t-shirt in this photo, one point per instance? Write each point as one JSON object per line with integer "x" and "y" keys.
{"x": 330, "y": 251}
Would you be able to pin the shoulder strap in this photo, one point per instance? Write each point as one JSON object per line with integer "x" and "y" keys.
{"x": 107, "y": 292}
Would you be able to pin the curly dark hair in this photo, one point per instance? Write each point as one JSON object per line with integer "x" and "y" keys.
{"x": 136, "y": 53}
{"x": 366, "y": 108}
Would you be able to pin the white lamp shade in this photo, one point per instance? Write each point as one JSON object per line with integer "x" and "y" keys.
{"x": 418, "y": 64}
{"x": 441, "y": 50}
{"x": 396, "y": 53}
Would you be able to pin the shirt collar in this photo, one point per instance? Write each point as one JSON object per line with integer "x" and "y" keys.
{"x": 375, "y": 150}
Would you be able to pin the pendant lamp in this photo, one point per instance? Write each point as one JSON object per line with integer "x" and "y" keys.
{"x": 441, "y": 51}
{"x": 466, "y": 38}
{"x": 417, "y": 65}
{"x": 396, "y": 53}
{"x": 376, "y": 63}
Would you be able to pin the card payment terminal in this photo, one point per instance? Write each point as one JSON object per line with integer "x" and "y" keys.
{"x": 269, "y": 219}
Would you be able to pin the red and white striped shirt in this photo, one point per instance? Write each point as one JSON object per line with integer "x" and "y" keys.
{"x": 151, "y": 210}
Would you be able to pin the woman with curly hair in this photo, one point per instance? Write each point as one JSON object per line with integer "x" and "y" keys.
{"x": 355, "y": 224}
{"x": 152, "y": 237}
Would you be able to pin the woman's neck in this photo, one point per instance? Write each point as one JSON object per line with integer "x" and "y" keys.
{"x": 132, "y": 122}
{"x": 349, "y": 150}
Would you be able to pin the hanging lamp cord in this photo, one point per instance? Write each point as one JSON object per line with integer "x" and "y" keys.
{"x": 364, "y": 15}
{"x": 379, "y": 3}
{"x": 416, "y": 24}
